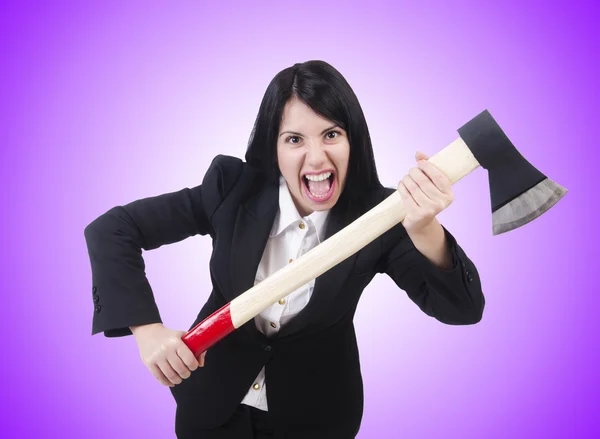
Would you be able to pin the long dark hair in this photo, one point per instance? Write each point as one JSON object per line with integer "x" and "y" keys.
{"x": 322, "y": 88}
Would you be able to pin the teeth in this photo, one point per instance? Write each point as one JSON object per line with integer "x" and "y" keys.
{"x": 319, "y": 177}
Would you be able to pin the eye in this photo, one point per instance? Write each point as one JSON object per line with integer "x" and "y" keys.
{"x": 333, "y": 132}
{"x": 292, "y": 137}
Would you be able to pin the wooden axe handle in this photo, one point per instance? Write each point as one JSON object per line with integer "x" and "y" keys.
{"x": 455, "y": 161}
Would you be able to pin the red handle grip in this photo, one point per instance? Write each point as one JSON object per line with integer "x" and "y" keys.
{"x": 209, "y": 331}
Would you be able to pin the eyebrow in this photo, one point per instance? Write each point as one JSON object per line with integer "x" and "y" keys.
{"x": 322, "y": 132}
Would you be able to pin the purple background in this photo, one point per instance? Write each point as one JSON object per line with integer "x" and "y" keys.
{"x": 101, "y": 105}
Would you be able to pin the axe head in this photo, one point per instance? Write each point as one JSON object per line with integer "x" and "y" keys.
{"x": 519, "y": 192}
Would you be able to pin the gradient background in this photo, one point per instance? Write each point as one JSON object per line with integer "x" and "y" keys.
{"x": 107, "y": 103}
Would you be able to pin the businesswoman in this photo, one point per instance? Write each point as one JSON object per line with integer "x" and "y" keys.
{"x": 293, "y": 371}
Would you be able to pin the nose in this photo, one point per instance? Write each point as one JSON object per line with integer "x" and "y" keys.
{"x": 316, "y": 155}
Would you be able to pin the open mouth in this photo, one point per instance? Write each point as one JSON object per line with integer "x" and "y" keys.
{"x": 319, "y": 191}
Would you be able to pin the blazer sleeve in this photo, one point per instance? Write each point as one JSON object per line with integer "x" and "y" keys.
{"x": 121, "y": 293}
{"x": 452, "y": 296}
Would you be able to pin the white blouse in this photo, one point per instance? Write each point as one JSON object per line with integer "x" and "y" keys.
{"x": 291, "y": 236}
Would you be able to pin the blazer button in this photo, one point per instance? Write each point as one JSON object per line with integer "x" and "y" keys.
{"x": 97, "y": 308}
{"x": 267, "y": 348}
{"x": 93, "y": 290}
{"x": 96, "y": 299}
{"x": 470, "y": 278}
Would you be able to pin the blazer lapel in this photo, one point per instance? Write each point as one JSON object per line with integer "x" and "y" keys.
{"x": 252, "y": 226}
{"x": 327, "y": 285}
{"x": 251, "y": 232}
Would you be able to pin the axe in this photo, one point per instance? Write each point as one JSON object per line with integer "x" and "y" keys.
{"x": 519, "y": 194}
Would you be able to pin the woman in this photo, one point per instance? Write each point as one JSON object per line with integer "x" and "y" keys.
{"x": 293, "y": 371}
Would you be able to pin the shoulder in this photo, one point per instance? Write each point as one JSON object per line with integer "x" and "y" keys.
{"x": 228, "y": 175}
{"x": 224, "y": 173}
{"x": 221, "y": 177}
{"x": 386, "y": 192}
{"x": 225, "y": 166}
{"x": 377, "y": 195}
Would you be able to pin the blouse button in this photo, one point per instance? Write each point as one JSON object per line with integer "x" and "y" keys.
{"x": 273, "y": 325}
{"x": 291, "y": 260}
{"x": 282, "y": 301}
{"x": 301, "y": 225}
{"x": 256, "y": 386}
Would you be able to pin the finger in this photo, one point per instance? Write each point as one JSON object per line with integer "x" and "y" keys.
{"x": 201, "y": 360}
{"x": 409, "y": 202}
{"x": 438, "y": 178}
{"x": 187, "y": 357}
{"x": 157, "y": 373}
{"x": 425, "y": 184}
{"x": 421, "y": 156}
{"x": 169, "y": 372}
{"x": 178, "y": 365}
{"x": 422, "y": 200}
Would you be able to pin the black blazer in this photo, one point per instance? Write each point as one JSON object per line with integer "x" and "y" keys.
{"x": 312, "y": 365}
